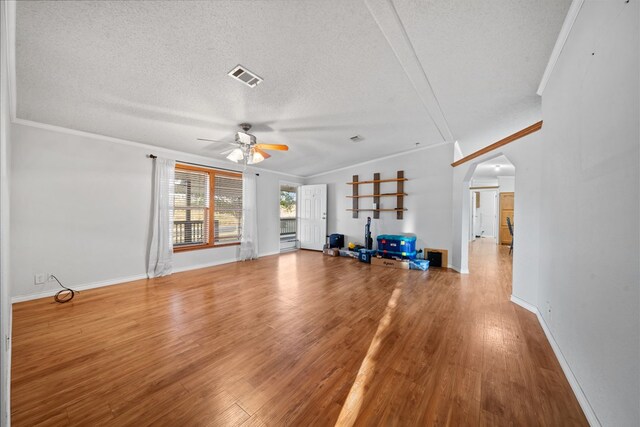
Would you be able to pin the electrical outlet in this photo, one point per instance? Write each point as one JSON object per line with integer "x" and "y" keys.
{"x": 40, "y": 278}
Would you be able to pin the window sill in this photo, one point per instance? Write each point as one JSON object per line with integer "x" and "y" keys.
{"x": 198, "y": 247}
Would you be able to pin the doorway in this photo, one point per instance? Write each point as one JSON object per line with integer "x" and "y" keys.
{"x": 484, "y": 212}
{"x": 288, "y": 217}
{"x": 488, "y": 199}
{"x": 312, "y": 216}
{"x": 506, "y": 216}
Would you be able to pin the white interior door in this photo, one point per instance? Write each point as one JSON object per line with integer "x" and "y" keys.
{"x": 312, "y": 216}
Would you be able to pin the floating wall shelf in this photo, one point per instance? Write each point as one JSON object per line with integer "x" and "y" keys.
{"x": 379, "y": 195}
{"x": 399, "y": 195}
{"x": 377, "y": 210}
{"x": 377, "y": 180}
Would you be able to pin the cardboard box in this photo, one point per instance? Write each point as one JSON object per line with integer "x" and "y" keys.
{"x": 391, "y": 263}
{"x": 331, "y": 251}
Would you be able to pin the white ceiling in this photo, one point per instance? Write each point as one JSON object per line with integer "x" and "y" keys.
{"x": 488, "y": 169}
{"x": 156, "y": 72}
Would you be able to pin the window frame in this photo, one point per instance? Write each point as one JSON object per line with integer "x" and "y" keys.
{"x": 211, "y": 172}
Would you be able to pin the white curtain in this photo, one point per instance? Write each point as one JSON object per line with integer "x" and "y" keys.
{"x": 161, "y": 244}
{"x": 249, "y": 236}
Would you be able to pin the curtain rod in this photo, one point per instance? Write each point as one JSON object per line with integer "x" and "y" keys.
{"x": 152, "y": 156}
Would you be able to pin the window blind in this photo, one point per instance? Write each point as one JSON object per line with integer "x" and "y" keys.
{"x": 191, "y": 208}
{"x": 228, "y": 209}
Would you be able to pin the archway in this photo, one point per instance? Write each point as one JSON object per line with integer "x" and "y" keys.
{"x": 483, "y": 173}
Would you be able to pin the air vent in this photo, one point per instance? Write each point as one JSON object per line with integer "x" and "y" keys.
{"x": 245, "y": 76}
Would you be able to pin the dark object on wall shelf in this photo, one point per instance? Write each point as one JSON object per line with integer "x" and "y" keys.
{"x": 399, "y": 195}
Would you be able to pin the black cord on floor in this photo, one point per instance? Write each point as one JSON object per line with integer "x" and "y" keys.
{"x": 65, "y": 295}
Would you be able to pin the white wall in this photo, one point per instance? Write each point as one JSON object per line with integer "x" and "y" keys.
{"x": 5, "y": 302}
{"x": 80, "y": 210}
{"x": 577, "y": 187}
{"x": 507, "y": 184}
{"x": 428, "y": 202}
{"x": 484, "y": 182}
{"x": 589, "y": 222}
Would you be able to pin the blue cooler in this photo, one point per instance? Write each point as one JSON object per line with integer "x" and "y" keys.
{"x": 397, "y": 243}
{"x": 402, "y": 255}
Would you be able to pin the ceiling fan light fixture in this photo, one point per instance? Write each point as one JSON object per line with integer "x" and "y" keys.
{"x": 245, "y": 138}
{"x": 254, "y": 157}
{"x": 236, "y": 155}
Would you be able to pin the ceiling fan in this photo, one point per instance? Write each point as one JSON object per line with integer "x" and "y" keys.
{"x": 248, "y": 150}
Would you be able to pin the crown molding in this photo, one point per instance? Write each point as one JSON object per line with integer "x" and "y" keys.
{"x": 567, "y": 25}
{"x": 166, "y": 151}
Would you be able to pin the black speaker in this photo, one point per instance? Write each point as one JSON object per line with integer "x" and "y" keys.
{"x": 435, "y": 259}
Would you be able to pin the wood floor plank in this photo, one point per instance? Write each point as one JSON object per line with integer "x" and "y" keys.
{"x": 295, "y": 339}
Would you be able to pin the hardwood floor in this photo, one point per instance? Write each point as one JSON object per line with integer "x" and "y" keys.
{"x": 296, "y": 339}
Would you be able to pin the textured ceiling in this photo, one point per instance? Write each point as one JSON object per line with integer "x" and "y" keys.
{"x": 155, "y": 72}
{"x": 485, "y": 60}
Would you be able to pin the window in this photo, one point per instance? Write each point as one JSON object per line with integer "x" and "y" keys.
{"x": 207, "y": 208}
{"x": 228, "y": 209}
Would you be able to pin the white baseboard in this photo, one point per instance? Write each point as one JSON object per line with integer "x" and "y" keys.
{"x": 568, "y": 373}
{"x": 458, "y": 269}
{"x": 522, "y": 303}
{"x": 92, "y": 285}
{"x": 269, "y": 253}
{"x": 205, "y": 265}
{"x": 119, "y": 280}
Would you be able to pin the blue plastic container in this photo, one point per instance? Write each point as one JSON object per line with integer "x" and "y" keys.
{"x": 419, "y": 264}
{"x": 396, "y": 243}
{"x": 393, "y": 254}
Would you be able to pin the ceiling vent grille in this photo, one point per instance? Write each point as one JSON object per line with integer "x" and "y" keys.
{"x": 245, "y": 76}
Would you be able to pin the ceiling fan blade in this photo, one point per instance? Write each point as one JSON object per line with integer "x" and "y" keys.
{"x": 226, "y": 152}
{"x": 280, "y": 147}
{"x": 208, "y": 140}
{"x": 264, "y": 153}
